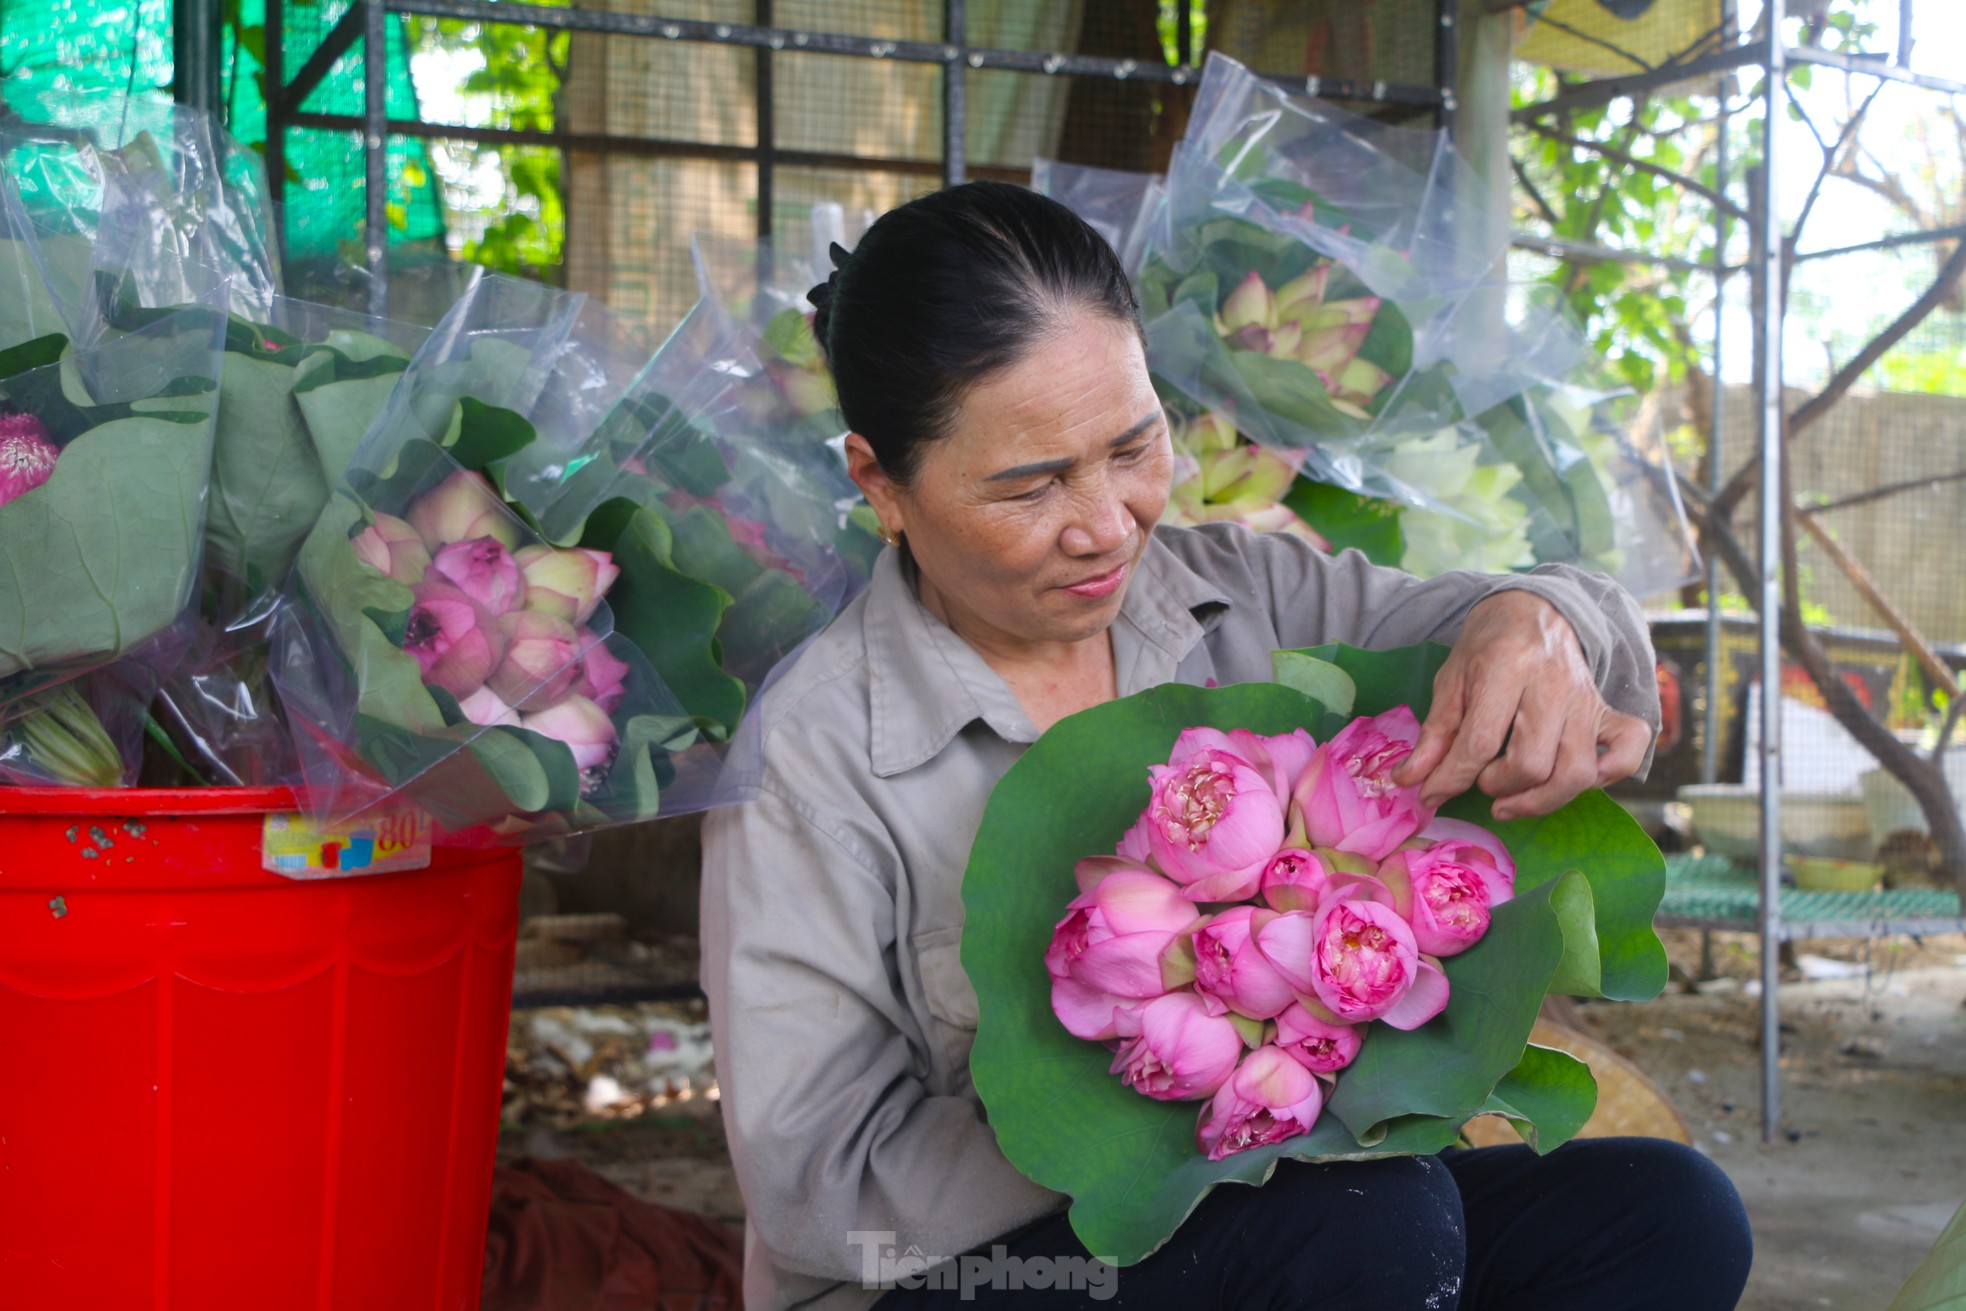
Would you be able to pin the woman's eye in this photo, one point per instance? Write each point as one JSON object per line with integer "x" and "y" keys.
{"x": 1035, "y": 494}
{"x": 1132, "y": 454}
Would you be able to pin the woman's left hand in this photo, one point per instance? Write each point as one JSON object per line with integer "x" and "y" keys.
{"x": 1517, "y": 679}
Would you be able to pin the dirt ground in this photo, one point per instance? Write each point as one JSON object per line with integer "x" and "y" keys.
{"x": 1869, "y": 1165}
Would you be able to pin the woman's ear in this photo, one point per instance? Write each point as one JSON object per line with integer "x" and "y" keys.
{"x": 865, "y": 469}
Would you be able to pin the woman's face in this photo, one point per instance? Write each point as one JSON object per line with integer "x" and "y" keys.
{"x": 1028, "y": 520}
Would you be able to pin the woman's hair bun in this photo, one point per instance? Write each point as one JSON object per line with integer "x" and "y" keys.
{"x": 822, "y": 296}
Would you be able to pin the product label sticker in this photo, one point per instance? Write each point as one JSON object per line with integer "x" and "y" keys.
{"x": 381, "y": 842}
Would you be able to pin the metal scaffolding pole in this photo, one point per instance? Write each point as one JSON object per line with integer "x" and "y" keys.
{"x": 1768, "y": 387}
{"x": 197, "y": 31}
{"x": 375, "y": 155}
{"x": 955, "y": 96}
{"x": 1716, "y": 413}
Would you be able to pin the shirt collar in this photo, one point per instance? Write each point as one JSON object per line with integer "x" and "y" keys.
{"x": 927, "y": 684}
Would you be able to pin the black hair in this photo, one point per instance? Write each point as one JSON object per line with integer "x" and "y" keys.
{"x": 946, "y": 290}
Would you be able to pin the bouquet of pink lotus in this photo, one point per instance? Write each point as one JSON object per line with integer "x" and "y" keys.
{"x": 1275, "y": 898}
{"x": 1287, "y": 954}
{"x": 536, "y": 598}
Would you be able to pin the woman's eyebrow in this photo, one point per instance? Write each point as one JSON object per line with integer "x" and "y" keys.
{"x": 1054, "y": 466}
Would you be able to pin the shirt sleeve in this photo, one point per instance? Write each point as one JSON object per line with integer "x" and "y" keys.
{"x": 836, "y": 1139}
{"x": 1346, "y": 598}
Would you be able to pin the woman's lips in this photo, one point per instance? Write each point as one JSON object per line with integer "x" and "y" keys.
{"x": 1102, "y": 585}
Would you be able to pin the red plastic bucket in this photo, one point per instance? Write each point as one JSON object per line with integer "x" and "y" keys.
{"x": 224, "y": 1089}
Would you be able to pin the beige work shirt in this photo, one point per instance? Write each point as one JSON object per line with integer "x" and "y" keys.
{"x": 832, "y": 904}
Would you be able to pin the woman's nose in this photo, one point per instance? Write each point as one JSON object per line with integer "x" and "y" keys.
{"x": 1100, "y": 524}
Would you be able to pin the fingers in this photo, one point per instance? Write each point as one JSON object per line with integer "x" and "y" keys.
{"x": 1623, "y": 739}
{"x": 1574, "y": 769}
{"x": 1491, "y": 710}
{"x": 1534, "y": 742}
{"x": 1437, "y": 734}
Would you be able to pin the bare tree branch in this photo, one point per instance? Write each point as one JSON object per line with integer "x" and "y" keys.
{"x": 1831, "y": 154}
{"x": 1846, "y": 377}
{"x": 1880, "y": 493}
{"x": 1529, "y": 185}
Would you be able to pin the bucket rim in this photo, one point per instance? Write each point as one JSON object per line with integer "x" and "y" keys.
{"x": 159, "y": 803}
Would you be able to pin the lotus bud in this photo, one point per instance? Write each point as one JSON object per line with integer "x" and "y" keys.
{"x": 567, "y": 584}
{"x": 462, "y": 508}
{"x": 1360, "y": 380}
{"x": 1340, "y": 313}
{"x": 390, "y": 546}
{"x": 542, "y": 660}
{"x": 603, "y": 676}
{"x": 1328, "y": 350}
{"x": 455, "y": 645}
{"x": 1303, "y": 293}
{"x": 27, "y": 457}
{"x": 484, "y": 707}
{"x": 1250, "y": 303}
{"x": 1212, "y": 431}
{"x": 1252, "y": 337}
{"x": 484, "y": 571}
{"x": 586, "y": 730}
{"x": 1284, "y": 341}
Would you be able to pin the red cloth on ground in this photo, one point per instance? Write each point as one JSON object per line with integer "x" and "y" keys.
{"x": 565, "y": 1239}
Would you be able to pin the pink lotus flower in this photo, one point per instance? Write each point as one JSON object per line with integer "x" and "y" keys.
{"x": 1231, "y": 972}
{"x": 542, "y": 660}
{"x": 27, "y": 457}
{"x": 484, "y": 707}
{"x": 1214, "y": 821}
{"x": 603, "y": 676}
{"x": 586, "y": 730}
{"x": 483, "y": 570}
{"x": 462, "y": 508}
{"x": 1295, "y": 879}
{"x": 1346, "y": 798}
{"x": 1366, "y": 965}
{"x": 1134, "y": 845}
{"x": 567, "y": 584}
{"x": 1319, "y": 1044}
{"x": 390, "y": 546}
{"x": 1283, "y": 756}
{"x": 1269, "y": 1098}
{"x": 455, "y": 645}
{"x": 1106, "y": 956}
{"x": 1177, "y": 1050}
{"x": 1445, "y": 888}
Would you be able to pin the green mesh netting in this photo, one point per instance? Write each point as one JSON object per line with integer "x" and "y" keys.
{"x": 1714, "y": 890}
{"x": 122, "y": 46}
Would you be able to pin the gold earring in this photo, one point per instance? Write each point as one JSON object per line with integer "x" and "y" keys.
{"x": 888, "y": 536}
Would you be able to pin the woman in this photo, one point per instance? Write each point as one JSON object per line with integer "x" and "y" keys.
{"x": 988, "y": 354}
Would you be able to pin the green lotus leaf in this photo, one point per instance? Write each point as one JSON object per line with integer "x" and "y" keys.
{"x": 1129, "y": 1163}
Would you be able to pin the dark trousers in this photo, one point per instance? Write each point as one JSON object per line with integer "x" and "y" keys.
{"x": 1606, "y": 1224}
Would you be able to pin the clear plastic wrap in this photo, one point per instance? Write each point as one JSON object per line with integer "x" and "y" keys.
{"x": 1307, "y": 280}
{"x": 788, "y": 415}
{"x": 149, "y": 193}
{"x": 535, "y": 603}
{"x": 105, "y": 453}
{"x": 1120, "y": 206}
{"x": 89, "y": 731}
{"x": 298, "y": 391}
